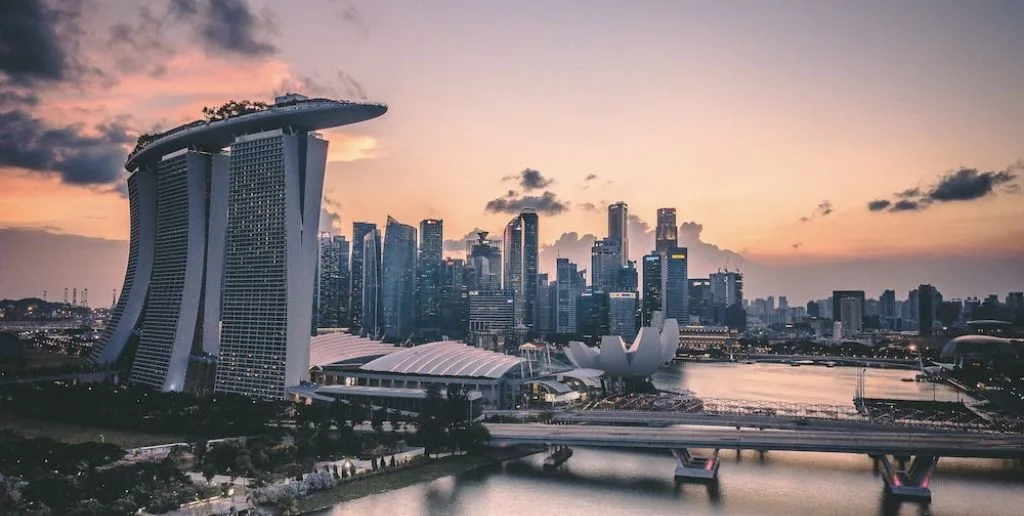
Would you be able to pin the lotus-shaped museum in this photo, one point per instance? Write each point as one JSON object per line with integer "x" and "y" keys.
{"x": 649, "y": 351}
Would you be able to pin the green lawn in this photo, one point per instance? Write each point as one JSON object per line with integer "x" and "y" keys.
{"x": 63, "y": 432}
{"x": 389, "y": 481}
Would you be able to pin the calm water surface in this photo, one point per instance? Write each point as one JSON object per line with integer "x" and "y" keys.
{"x": 604, "y": 482}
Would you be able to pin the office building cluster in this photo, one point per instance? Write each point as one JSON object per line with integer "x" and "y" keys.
{"x": 851, "y": 315}
{"x": 402, "y": 290}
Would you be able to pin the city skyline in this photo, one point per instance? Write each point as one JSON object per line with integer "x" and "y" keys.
{"x": 793, "y": 156}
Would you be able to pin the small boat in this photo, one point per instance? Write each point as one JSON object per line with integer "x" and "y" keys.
{"x": 795, "y": 364}
{"x": 907, "y": 380}
{"x": 749, "y": 362}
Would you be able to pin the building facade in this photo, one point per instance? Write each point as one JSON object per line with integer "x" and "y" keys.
{"x": 519, "y": 250}
{"x": 371, "y": 319}
{"x": 666, "y": 232}
{"x": 675, "y": 298}
{"x": 428, "y": 278}
{"x": 359, "y": 232}
{"x": 333, "y": 277}
{"x": 651, "y": 295}
{"x": 567, "y": 289}
{"x": 398, "y": 281}
{"x": 618, "y": 229}
{"x": 605, "y": 265}
{"x": 223, "y": 260}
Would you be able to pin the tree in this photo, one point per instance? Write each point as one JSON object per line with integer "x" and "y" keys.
{"x": 432, "y": 420}
{"x": 209, "y": 471}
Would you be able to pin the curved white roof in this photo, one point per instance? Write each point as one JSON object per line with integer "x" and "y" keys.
{"x": 335, "y": 348}
{"x": 445, "y": 358}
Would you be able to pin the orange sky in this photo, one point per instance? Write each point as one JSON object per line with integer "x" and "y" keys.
{"x": 743, "y": 118}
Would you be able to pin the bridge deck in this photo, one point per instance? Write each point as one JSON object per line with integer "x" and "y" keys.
{"x": 861, "y": 442}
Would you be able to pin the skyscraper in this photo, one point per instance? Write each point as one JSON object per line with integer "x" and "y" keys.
{"x": 675, "y": 285}
{"x": 398, "y": 282}
{"x": 837, "y": 302}
{"x": 928, "y": 304}
{"x": 428, "y": 277}
{"x": 618, "y": 229}
{"x": 359, "y": 232}
{"x": 605, "y": 264}
{"x": 332, "y": 298}
{"x": 372, "y": 310}
{"x": 491, "y": 314}
{"x": 622, "y": 315}
{"x": 454, "y": 298}
{"x": 224, "y": 248}
{"x": 484, "y": 262}
{"x": 520, "y": 247}
{"x": 887, "y": 309}
{"x": 566, "y": 295}
{"x": 544, "y": 313}
{"x": 652, "y": 287}
{"x": 666, "y": 232}
{"x": 850, "y": 315}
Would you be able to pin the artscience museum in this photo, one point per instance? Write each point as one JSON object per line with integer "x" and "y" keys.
{"x": 650, "y": 350}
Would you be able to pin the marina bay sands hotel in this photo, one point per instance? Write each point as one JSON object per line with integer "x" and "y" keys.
{"x": 217, "y": 296}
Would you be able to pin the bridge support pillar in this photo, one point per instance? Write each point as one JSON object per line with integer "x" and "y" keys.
{"x": 909, "y": 481}
{"x": 693, "y": 467}
{"x": 558, "y": 454}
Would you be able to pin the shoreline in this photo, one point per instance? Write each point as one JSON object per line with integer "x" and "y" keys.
{"x": 426, "y": 471}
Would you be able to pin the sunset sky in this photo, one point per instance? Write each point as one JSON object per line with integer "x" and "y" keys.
{"x": 774, "y": 127}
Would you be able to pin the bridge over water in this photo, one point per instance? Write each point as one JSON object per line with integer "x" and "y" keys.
{"x": 908, "y": 457}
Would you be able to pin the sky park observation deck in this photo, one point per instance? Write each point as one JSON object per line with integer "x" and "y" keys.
{"x": 222, "y": 257}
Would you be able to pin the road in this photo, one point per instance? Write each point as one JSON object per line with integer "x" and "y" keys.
{"x": 945, "y": 444}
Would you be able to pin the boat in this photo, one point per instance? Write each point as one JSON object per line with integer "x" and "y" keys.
{"x": 749, "y": 362}
{"x": 907, "y": 380}
{"x": 830, "y": 364}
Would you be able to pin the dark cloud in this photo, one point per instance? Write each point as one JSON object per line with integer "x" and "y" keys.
{"x": 964, "y": 184}
{"x": 17, "y": 98}
{"x": 589, "y": 206}
{"x": 353, "y": 17}
{"x": 879, "y": 204}
{"x": 546, "y": 204}
{"x": 530, "y": 179}
{"x": 823, "y": 210}
{"x": 227, "y": 25}
{"x": 590, "y": 177}
{"x": 909, "y": 193}
{"x": 796, "y": 245}
{"x": 968, "y": 184}
{"x": 35, "y": 40}
{"x": 907, "y": 205}
{"x": 140, "y": 46}
{"x": 26, "y": 142}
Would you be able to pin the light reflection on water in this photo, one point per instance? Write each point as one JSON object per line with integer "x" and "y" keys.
{"x": 608, "y": 481}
